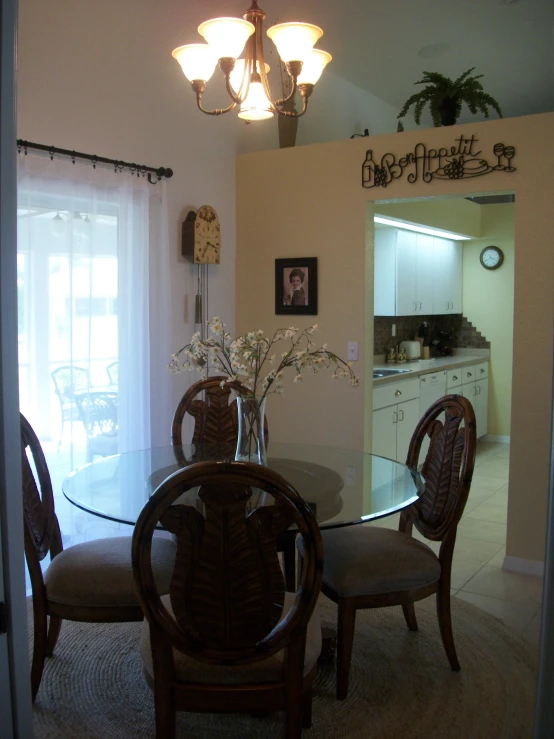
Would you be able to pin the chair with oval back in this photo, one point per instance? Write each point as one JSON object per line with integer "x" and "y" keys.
{"x": 69, "y": 380}
{"x": 92, "y": 581}
{"x": 215, "y": 414}
{"x": 228, "y": 638}
{"x": 371, "y": 567}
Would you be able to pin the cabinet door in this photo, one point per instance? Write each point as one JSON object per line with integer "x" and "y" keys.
{"x": 408, "y": 417}
{"x": 480, "y": 406}
{"x": 447, "y": 276}
{"x": 424, "y": 274}
{"x": 385, "y": 422}
{"x": 406, "y": 243}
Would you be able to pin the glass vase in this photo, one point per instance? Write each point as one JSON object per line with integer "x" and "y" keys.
{"x": 251, "y": 442}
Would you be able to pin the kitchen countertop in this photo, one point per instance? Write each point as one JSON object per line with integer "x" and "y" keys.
{"x": 426, "y": 366}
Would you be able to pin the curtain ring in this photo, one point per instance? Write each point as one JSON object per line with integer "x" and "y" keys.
{"x": 51, "y": 151}
{"x": 73, "y": 157}
{"x": 94, "y": 159}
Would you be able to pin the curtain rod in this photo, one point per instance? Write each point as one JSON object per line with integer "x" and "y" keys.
{"x": 119, "y": 166}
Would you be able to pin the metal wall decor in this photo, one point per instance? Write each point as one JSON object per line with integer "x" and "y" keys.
{"x": 457, "y": 162}
{"x": 119, "y": 166}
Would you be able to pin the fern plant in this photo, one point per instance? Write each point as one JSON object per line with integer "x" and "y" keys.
{"x": 445, "y": 97}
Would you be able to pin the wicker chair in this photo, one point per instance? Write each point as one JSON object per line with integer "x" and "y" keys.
{"x": 92, "y": 581}
{"x": 112, "y": 370}
{"x": 68, "y": 381}
{"x": 370, "y": 567}
{"x": 220, "y": 642}
{"x": 98, "y": 412}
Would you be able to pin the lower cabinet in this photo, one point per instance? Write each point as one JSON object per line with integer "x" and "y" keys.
{"x": 473, "y": 384}
{"x": 395, "y": 416}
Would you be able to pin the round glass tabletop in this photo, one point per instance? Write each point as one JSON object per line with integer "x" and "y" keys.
{"x": 341, "y": 486}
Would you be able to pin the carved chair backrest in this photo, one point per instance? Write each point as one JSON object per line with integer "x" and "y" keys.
{"x": 42, "y": 531}
{"x": 69, "y": 380}
{"x": 215, "y": 416}
{"x": 447, "y": 468}
{"x": 98, "y": 412}
{"x": 227, "y": 589}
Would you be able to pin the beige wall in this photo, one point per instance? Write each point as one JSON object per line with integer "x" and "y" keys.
{"x": 309, "y": 201}
{"x": 488, "y": 300}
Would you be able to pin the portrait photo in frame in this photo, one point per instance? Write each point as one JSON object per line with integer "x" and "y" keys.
{"x": 296, "y": 286}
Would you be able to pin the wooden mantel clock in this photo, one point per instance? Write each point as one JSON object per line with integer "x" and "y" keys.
{"x": 201, "y": 237}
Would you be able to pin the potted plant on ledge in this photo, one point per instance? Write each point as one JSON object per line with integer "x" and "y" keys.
{"x": 445, "y": 97}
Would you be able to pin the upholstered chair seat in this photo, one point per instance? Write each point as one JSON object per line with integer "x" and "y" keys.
{"x": 187, "y": 669}
{"x": 98, "y": 573}
{"x": 397, "y": 561}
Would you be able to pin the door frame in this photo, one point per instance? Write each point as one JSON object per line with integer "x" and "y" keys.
{"x": 15, "y": 691}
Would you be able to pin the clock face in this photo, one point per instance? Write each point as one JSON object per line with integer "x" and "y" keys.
{"x": 491, "y": 257}
{"x": 206, "y": 236}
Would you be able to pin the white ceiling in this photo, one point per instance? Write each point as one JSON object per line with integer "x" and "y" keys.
{"x": 376, "y": 43}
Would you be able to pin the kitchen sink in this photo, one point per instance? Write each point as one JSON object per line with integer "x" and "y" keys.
{"x": 389, "y": 372}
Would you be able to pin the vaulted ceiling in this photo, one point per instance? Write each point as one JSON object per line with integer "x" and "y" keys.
{"x": 383, "y": 46}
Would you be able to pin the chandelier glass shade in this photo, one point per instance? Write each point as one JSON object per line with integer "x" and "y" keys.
{"x": 246, "y": 77}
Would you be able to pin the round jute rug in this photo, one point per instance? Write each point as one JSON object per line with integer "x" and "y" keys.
{"x": 401, "y": 685}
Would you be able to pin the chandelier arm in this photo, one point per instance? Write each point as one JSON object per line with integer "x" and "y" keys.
{"x": 292, "y": 113}
{"x": 226, "y": 64}
{"x": 199, "y": 86}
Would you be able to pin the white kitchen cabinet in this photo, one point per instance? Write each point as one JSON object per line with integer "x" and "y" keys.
{"x": 416, "y": 274}
{"x": 447, "y": 276}
{"x": 395, "y": 416}
{"x": 403, "y": 273}
{"x": 475, "y": 387}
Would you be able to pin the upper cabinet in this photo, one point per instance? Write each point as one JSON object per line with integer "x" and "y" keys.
{"x": 416, "y": 274}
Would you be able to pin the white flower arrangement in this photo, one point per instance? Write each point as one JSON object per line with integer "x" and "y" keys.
{"x": 246, "y": 358}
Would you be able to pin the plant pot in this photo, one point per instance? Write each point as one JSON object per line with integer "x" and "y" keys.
{"x": 447, "y": 110}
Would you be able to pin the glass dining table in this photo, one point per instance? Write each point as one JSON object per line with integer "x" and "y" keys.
{"x": 341, "y": 486}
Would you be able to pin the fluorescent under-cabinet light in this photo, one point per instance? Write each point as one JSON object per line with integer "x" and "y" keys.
{"x": 421, "y": 229}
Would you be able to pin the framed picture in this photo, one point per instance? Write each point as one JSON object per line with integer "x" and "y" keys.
{"x": 296, "y": 286}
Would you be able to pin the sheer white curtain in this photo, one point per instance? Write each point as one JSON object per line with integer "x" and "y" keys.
{"x": 93, "y": 277}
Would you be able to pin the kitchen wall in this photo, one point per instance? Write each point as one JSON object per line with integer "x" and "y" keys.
{"x": 450, "y": 214}
{"x": 488, "y": 300}
{"x": 309, "y": 201}
{"x": 98, "y": 77}
{"x": 465, "y": 334}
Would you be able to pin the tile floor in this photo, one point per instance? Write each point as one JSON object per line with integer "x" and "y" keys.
{"x": 477, "y": 574}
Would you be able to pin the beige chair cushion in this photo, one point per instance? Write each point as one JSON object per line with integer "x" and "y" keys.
{"x": 362, "y": 560}
{"x": 189, "y": 670}
{"x": 99, "y": 573}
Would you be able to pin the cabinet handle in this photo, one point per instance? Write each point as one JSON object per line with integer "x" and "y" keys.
{"x": 451, "y": 306}
{"x": 420, "y": 305}
{"x": 454, "y": 377}
{"x": 398, "y": 392}
{"x": 469, "y": 374}
{"x": 482, "y": 371}
{"x": 401, "y": 415}
{"x": 477, "y": 389}
{"x": 395, "y": 417}
{"x": 415, "y": 306}
{"x": 423, "y": 379}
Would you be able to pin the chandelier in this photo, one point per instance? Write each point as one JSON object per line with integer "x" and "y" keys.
{"x": 246, "y": 78}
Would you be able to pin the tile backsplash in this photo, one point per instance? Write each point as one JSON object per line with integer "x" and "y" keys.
{"x": 464, "y": 332}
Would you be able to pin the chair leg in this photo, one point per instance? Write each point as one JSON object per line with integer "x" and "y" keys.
{"x": 165, "y": 713}
{"x": 445, "y": 625}
{"x": 39, "y": 646}
{"x": 345, "y": 640}
{"x": 53, "y": 632}
{"x": 409, "y": 614}
{"x": 307, "y": 708}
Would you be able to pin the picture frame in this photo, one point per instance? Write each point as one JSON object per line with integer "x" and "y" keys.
{"x": 296, "y": 286}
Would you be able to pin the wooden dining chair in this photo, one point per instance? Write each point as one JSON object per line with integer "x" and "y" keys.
{"x": 370, "y": 567}
{"x": 92, "y": 581}
{"x": 214, "y": 410}
{"x": 228, "y": 638}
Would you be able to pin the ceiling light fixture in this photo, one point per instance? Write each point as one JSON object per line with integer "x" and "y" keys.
{"x": 421, "y": 229}
{"x": 246, "y": 78}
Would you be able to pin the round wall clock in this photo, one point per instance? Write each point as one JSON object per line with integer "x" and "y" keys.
{"x": 491, "y": 257}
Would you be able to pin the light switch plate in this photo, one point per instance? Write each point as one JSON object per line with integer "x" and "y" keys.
{"x": 352, "y": 351}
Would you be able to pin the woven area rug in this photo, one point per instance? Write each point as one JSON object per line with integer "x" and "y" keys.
{"x": 401, "y": 685}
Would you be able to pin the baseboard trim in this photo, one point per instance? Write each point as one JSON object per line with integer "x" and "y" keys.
{"x": 523, "y": 566}
{"x": 493, "y": 437}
